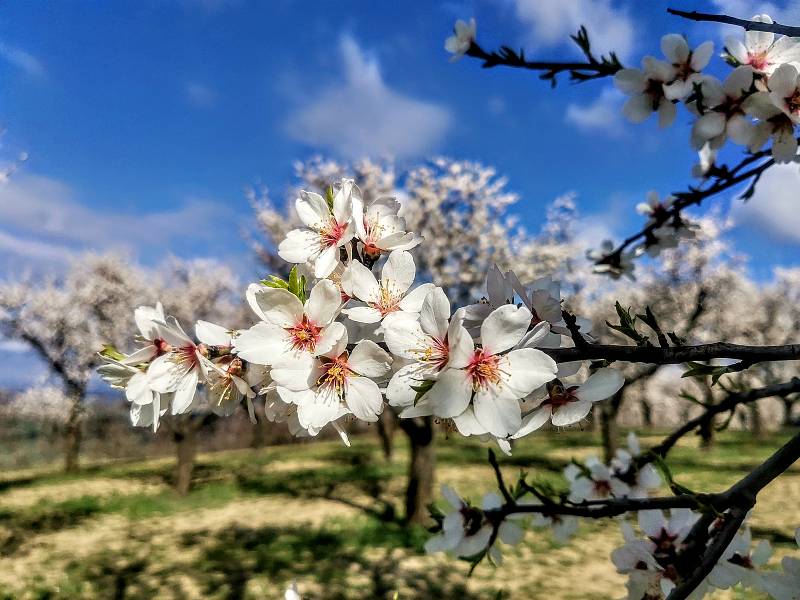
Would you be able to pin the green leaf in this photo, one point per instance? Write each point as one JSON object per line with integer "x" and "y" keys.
{"x": 275, "y": 282}
{"x": 329, "y": 197}
{"x": 424, "y": 386}
{"x": 702, "y": 370}
{"x": 111, "y": 352}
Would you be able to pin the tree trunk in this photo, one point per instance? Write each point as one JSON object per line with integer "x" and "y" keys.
{"x": 386, "y": 426}
{"x": 647, "y": 413}
{"x": 706, "y": 431}
{"x": 756, "y": 423}
{"x": 421, "y": 468}
{"x": 73, "y": 434}
{"x": 787, "y": 412}
{"x": 609, "y": 430}
{"x": 186, "y": 446}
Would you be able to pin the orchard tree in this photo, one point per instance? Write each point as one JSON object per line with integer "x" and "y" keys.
{"x": 350, "y": 330}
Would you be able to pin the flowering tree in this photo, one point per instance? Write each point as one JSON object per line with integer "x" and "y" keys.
{"x": 350, "y": 330}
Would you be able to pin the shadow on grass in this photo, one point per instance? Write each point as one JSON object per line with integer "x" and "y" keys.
{"x": 331, "y": 557}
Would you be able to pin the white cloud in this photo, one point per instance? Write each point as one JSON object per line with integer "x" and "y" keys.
{"x": 42, "y": 224}
{"x": 551, "y": 22}
{"x": 601, "y": 115}
{"x": 773, "y": 209}
{"x": 200, "y": 95}
{"x": 363, "y": 116}
{"x": 22, "y": 60}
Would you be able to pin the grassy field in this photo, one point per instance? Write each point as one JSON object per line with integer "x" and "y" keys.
{"x": 324, "y": 515}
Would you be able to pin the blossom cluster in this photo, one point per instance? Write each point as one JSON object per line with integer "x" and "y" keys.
{"x": 470, "y": 531}
{"x": 338, "y": 341}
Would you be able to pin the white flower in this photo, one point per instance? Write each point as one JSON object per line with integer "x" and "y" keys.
{"x": 594, "y": 482}
{"x": 389, "y": 296}
{"x": 292, "y": 593}
{"x": 426, "y": 342}
{"x": 289, "y": 328}
{"x": 327, "y": 229}
{"x": 646, "y": 477}
{"x": 706, "y": 157}
{"x": 738, "y": 564}
{"x": 463, "y": 35}
{"x": 150, "y": 322}
{"x": 724, "y": 116}
{"x": 615, "y": 271}
{"x": 567, "y": 405}
{"x": 761, "y": 50}
{"x": 147, "y": 406}
{"x": 784, "y": 91}
{"x": 379, "y": 227}
{"x": 786, "y": 585}
{"x": 492, "y": 381}
{"x": 543, "y": 298}
{"x": 655, "y": 208}
{"x": 465, "y": 530}
{"x": 229, "y": 379}
{"x": 498, "y": 293}
{"x": 687, "y": 64}
{"x": 336, "y": 383}
{"x": 562, "y": 526}
{"x": 180, "y": 368}
{"x": 646, "y": 90}
{"x": 773, "y": 124}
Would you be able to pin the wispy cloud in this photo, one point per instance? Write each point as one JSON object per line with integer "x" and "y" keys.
{"x": 43, "y": 225}
{"x": 551, "y": 22}
{"x": 602, "y": 115}
{"x": 22, "y": 60}
{"x": 200, "y": 95}
{"x": 773, "y": 208}
{"x": 362, "y": 116}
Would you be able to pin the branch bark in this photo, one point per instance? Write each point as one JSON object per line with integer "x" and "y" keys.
{"x": 745, "y": 24}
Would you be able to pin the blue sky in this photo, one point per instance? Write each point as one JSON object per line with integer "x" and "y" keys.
{"x": 144, "y": 121}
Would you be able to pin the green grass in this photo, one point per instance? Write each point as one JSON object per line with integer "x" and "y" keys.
{"x": 212, "y": 544}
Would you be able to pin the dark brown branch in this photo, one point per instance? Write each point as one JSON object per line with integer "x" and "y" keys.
{"x": 729, "y": 403}
{"x": 675, "y": 354}
{"x": 724, "y": 181}
{"x": 745, "y": 24}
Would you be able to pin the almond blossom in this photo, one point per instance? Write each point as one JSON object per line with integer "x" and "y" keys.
{"x": 463, "y": 35}
{"x": 180, "y": 368}
{"x": 773, "y": 124}
{"x": 594, "y": 481}
{"x": 687, "y": 64}
{"x": 646, "y": 90}
{"x": 426, "y": 343}
{"x": 724, "y": 115}
{"x": 784, "y": 91}
{"x": 288, "y": 326}
{"x": 391, "y": 295}
{"x": 761, "y": 50}
{"x": 564, "y": 405}
{"x": 337, "y": 382}
{"x": 739, "y": 563}
{"x": 328, "y": 228}
{"x": 490, "y": 378}
{"x": 379, "y": 227}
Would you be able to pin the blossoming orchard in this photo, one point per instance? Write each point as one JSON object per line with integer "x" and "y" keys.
{"x": 347, "y": 329}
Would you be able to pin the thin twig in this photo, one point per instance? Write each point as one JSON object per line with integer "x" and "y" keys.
{"x": 746, "y": 24}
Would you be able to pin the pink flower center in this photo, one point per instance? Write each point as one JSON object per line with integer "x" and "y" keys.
{"x": 558, "y": 395}
{"x": 162, "y": 347}
{"x": 387, "y": 301}
{"x": 484, "y": 370}
{"x": 186, "y": 356}
{"x": 436, "y": 354}
{"x": 664, "y": 541}
{"x": 602, "y": 487}
{"x": 304, "y": 335}
{"x": 335, "y": 373}
{"x": 759, "y": 62}
{"x": 793, "y": 102}
{"x": 331, "y": 234}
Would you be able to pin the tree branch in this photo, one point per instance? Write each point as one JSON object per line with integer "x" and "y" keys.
{"x": 675, "y": 354}
{"x": 747, "y": 25}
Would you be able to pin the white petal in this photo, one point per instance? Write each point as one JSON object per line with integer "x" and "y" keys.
{"x": 262, "y": 344}
{"x": 399, "y": 392}
{"x": 527, "y": 370}
{"x": 675, "y": 48}
{"x": 500, "y": 414}
{"x": 701, "y": 56}
{"x": 323, "y": 302}
{"x": 364, "y": 398}
{"x": 330, "y": 338}
{"x": 363, "y": 314}
{"x": 184, "y": 393}
{"x": 461, "y": 346}
{"x": 299, "y": 246}
{"x": 326, "y": 262}
{"x": 758, "y": 42}
{"x": 533, "y": 421}
{"x": 783, "y": 81}
{"x": 504, "y": 328}
{"x": 278, "y": 306}
{"x": 369, "y": 359}
{"x": 630, "y": 81}
{"x": 312, "y": 209}
{"x": 451, "y": 393}
{"x": 398, "y": 273}
{"x": 298, "y": 373}
{"x": 363, "y": 283}
{"x": 414, "y": 299}
{"x": 602, "y": 384}
{"x": 212, "y": 334}
{"x": 571, "y": 413}
{"x": 638, "y": 108}
{"x": 404, "y": 336}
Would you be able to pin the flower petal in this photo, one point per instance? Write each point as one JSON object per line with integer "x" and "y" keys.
{"x": 504, "y": 328}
